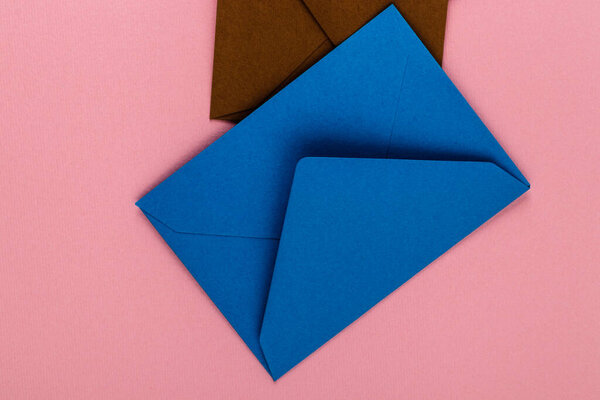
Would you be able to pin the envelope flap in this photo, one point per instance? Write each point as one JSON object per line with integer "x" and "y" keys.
{"x": 341, "y": 18}
{"x": 356, "y": 229}
{"x": 258, "y": 44}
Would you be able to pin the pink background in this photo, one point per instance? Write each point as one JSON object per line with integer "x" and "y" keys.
{"x": 101, "y": 100}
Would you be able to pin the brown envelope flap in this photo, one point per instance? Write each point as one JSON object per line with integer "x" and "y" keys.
{"x": 341, "y": 18}
{"x": 258, "y": 45}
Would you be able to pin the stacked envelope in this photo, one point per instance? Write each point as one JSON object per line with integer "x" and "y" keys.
{"x": 361, "y": 165}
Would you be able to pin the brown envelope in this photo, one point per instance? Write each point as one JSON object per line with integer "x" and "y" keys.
{"x": 262, "y": 45}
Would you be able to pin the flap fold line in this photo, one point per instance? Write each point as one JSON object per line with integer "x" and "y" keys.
{"x": 202, "y": 234}
{"x": 317, "y": 21}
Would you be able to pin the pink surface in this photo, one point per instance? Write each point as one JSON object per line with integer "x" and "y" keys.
{"x": 101, "y": 100}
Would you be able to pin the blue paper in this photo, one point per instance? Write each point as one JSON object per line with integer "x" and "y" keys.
{"x": 382, "y": 166}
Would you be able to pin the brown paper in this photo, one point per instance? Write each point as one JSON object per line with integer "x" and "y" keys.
{"x": 262, "y": 45}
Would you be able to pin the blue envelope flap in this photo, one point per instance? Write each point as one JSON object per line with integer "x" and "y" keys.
{"x": 357, "y": 229}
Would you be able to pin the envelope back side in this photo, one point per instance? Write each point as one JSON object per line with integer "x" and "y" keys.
{"x": 262, "y": 45}
{"x": 396, "y": 168}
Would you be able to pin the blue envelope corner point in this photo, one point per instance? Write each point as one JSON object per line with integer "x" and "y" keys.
{"x": 335, "y": 192}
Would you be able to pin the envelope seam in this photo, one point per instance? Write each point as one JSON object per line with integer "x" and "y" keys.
{"x": 233, "y": 113}
{"x": 204, "y": 234}
{"x": 387, "y": 151}
{"x": 317, "y": 21}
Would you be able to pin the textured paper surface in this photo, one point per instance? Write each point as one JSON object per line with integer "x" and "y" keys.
{"x": 103, "y": 100}
{"x": 262, "y": 45}
{"x": 378, "y": 95}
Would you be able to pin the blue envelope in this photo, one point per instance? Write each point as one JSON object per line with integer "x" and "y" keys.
{"x": 334, "y": 193}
